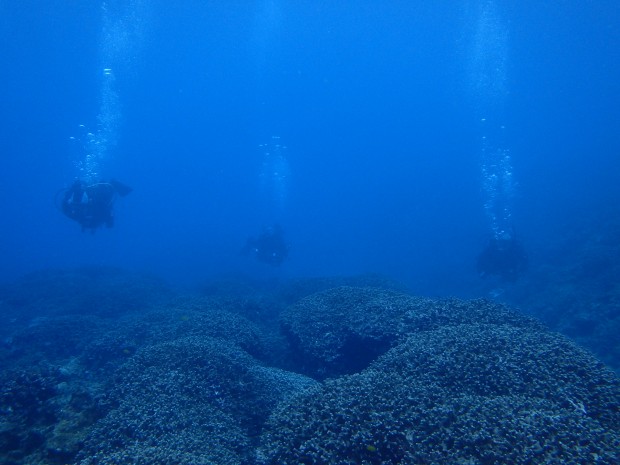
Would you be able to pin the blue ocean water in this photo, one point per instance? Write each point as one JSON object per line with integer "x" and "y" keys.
{"x": 316, "y": 186}
{"x": 379, "y": 108}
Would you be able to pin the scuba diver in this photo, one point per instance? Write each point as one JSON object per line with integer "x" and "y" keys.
{"x": 91, "y": 205}
{"x": 269, "y": 248}
{"x": 503, "y": 257}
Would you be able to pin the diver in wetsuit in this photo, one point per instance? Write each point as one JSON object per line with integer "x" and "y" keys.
{"x": 91, "y": 205}
{"x": 270, "y": 247}
{"x": 503, "y": 257}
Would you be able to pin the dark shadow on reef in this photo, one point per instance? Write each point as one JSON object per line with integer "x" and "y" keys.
{"x": 101, "y": 366}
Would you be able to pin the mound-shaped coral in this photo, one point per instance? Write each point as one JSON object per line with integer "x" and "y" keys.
{"x": 296, "y": 289}
{"x": 470, "y": 393}
{"x": 193, "y": 400}
{"x": 342, "y": 330}
{"x": 198, "y": 317}
{"x": 176, "y": 380}
{"x": 180, "y": 318}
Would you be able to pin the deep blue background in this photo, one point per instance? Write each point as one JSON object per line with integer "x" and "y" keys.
{"x": 372, "y": 99}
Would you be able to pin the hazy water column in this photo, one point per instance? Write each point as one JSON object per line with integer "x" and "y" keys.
{"x": 275, "y": 170}
{"x": 121, "y": 35}
{"x": 489, "y": 83}
{"x": 274, "y": 177}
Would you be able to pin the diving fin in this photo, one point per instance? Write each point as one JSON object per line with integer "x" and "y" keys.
{"x": 120, "y": 188}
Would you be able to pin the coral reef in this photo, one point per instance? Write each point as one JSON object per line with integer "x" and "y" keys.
{"x": 342, "y": 330}
{"x": 193, "y": 400}
{"x": 95, "y": 370}
{"x": 470, "y": 393}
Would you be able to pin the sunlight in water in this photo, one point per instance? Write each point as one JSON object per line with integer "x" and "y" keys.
{"x": 489, "y": 84}
{"x": 122, "y": 34}
{"x": 275, "y": 174}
